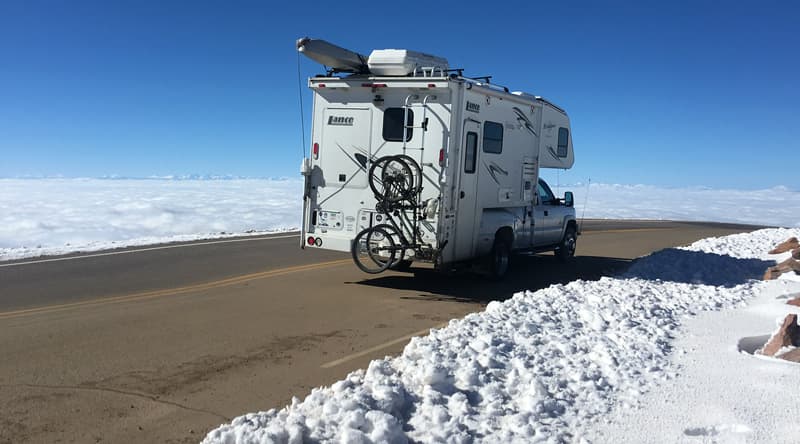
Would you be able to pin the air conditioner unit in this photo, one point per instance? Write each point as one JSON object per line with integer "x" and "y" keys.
{"x": 402, "y": 62}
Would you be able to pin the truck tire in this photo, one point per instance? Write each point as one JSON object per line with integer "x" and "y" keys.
{"x": 566, "y": 248}
{"x": 500, "y": 258}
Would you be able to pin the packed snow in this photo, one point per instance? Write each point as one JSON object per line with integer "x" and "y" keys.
{"x": 58, "y": 216}
{"x": 582, "y": 362}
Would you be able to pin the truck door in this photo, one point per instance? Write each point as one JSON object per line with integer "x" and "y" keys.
{"x": 468, "y": 190}
{"x": 547, "y": 217}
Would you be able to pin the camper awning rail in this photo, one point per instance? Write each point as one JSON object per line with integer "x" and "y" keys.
{"x": 378, "y": 82}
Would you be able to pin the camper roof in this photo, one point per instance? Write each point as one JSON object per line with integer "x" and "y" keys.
{"x": 381, "y": 62}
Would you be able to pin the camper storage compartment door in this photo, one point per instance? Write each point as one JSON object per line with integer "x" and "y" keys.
{"x": 345, "y": 147}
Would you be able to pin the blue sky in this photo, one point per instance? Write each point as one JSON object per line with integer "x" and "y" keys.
{"x": 662, "y": 93}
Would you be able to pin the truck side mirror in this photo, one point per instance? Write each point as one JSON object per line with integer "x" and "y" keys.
{"x": 569, "y": 200}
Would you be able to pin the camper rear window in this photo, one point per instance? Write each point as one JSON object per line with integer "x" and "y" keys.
{"x": 471, "y": 152}
{"x": 492, "y": 137}
{"x": 563, "y": 142}
{"x": 393, "y": 124}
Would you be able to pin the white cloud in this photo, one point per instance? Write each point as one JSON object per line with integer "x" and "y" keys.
{"x": 777, "y": 206}
{"x": 55, "y": 216}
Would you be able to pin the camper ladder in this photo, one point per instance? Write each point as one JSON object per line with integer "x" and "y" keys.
{"x": 423, "y": 125}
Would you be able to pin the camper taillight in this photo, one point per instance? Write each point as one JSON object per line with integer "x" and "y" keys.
{"x": 441, "y": 157}
{"x": 315, "y": 151}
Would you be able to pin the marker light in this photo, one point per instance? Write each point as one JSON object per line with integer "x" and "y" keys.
{"x": 310, "y": 240}
{"x": 316, "y": 151}
{"x": 441, "y": 157}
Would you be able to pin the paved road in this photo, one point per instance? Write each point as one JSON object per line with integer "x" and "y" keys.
{"x": 161, "y": 344}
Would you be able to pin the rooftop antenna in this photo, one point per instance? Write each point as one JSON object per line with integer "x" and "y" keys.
{"x": 585, "y": 201}
{"x": 302, "y": 113}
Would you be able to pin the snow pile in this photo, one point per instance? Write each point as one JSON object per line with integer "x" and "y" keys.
{"x": 542, "y": 366}
{"x": 57, "y": 216}
{"x": 689, "y": 266}
{"x": 747, "y": 245}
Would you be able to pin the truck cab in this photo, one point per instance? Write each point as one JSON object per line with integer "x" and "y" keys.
{"x": 553, "y": 218}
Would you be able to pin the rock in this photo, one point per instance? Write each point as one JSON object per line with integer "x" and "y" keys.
{"x": 787, "y": 335}
{"x": 789, "y": 265}
{"x": 791, "y": 355}
{"x": 787, "y": 245}
{"x": 795, "y": 302}
{"x": 771, "y": 273}
{"x": 783, "y": 267}
{"x": 796, "y": 253}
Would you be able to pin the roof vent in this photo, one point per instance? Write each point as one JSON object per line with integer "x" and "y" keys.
{"x": 402, "y": 62}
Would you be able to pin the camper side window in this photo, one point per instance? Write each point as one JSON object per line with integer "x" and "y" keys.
{"x": 471, "y": 152}
{"x": 393, "y": 124}
{"x": 492, "y": 137}
{"x": 563, "y": 142}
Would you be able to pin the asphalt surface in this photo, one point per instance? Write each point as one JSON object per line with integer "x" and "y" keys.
{"x": 160, "y": 344}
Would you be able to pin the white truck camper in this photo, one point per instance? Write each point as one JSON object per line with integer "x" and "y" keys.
{"x": 413, "y": 161}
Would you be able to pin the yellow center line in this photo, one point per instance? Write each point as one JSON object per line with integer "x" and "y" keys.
{"x": 171, "y": 291}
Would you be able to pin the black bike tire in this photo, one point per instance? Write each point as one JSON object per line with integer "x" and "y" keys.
{"x": 354, "y": 251}
{"x": 371, "y": 176}
{"x": 404, "y": 192}
{"x": 416, "y": 172}
{"x": 398, "y": 245}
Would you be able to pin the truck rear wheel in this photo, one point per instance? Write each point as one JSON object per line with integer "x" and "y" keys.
{"x": 566, "y": 249}
{"x": 500, "y": 258}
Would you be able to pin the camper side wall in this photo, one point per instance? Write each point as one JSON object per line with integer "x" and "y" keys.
{"x": 497, "y": 169}
{"x": 556, "y": 145}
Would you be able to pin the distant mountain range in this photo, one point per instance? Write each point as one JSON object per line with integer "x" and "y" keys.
{"x": 165, "y": 177}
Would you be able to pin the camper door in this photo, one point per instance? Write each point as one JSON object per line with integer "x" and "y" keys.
{"x": 468, "y": 190}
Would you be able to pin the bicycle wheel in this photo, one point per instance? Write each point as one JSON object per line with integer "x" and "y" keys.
{"x": 394, "y": 178}
{"x": 374, "y": 177}
{"x": 398, "y": 179}
{"x": 373, "y": 250}
{"x": 400, "y": 251}
{"x": 416, "y": 173}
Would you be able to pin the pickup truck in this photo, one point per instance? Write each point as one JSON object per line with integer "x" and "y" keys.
{"x": 554, "y": 228}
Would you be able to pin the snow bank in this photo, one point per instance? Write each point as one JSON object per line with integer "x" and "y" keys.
{"x": 720, "y": 394}
{"x": 539, "y": 367}
{"x": 57, "y": 216}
